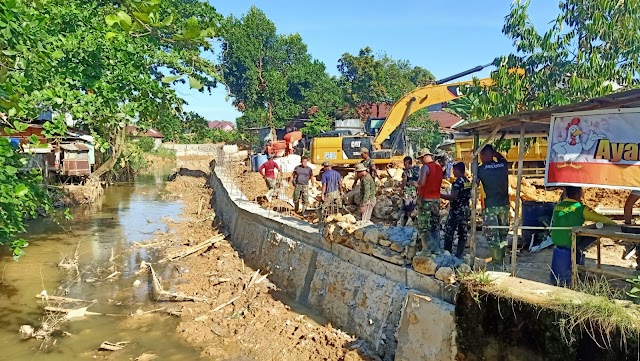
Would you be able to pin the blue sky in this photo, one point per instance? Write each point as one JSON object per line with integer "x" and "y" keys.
{"x": 445, "y": 37}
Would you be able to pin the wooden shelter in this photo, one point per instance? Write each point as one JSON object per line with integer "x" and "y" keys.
{"x": 533, "y": 122}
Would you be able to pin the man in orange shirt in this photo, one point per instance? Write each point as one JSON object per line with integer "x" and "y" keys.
{"x": 268, "y": 172}
{"x": 429, "y": 203}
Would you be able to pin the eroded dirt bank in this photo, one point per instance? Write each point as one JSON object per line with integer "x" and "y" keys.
{"x": 244, "y": 317}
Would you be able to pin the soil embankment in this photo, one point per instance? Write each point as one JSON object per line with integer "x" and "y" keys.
{"x": 245, "y": 317}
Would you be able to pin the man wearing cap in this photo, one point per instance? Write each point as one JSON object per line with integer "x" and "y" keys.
{"x": 367, "y": 192}
{"x": 332, "y": 190}
{"x": 301, "y": 176}
{"x": 429, "y": 185}
{"x": 267, "y": 170}
{"x": 369, "y": 165}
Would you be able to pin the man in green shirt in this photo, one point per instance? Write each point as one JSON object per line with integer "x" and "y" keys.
{"x": 367, "y": 192}
{"x": 494, "y": 175}
{"x": 570, "y": 212}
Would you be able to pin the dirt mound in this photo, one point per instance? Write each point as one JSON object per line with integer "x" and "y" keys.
{"x": 245, "y": 317}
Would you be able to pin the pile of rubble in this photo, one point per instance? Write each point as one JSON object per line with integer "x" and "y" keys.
{"x": 392, "y": 244}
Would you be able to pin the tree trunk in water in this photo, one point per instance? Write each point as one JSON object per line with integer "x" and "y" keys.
{"x": 110, "y": 163}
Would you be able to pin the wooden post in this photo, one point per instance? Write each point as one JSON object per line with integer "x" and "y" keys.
{"x": 516, "y": 219}
{"x": 474, "y": 197}
{"x": 574, "y": 265}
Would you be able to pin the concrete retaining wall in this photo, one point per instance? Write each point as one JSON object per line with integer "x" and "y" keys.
{"x": 186, "y": 150}
{"x": 360, "y": 294}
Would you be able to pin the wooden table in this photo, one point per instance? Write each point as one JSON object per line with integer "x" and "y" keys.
{"x": 613, "y": 232}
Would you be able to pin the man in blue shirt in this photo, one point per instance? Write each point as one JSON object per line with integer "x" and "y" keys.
{"x": 332, "y": 190}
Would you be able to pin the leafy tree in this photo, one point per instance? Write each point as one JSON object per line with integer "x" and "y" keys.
{"x": 589, "y": 45}
{"x": 319, "y": 123}
{"x": 367, "y": 79}
{"x": 271, "y": 77}
{"x": 422, "y": 131}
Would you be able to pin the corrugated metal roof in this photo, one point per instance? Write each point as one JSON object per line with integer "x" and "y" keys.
{"x": 78, "y": 147}
{"x": 537, "y": 121}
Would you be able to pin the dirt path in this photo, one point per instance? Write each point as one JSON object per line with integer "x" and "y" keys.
{"x": 256, "y": 325}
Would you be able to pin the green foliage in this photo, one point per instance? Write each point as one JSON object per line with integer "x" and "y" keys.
{"x": 367, "y": 78}
{"x": 319, "y": 123}
{"x": 634, "y": 292}
{"x": 271, "y": 77}
{"x": 422, "y": 131}
{"x": 146, "y": 144}
{"x": 590, "y": 44}
{"x": 21, "y": 197}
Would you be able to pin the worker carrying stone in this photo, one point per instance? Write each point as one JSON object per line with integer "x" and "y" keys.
{"x": 369, "y": 165}
{"x": 332, "y": 189}
{"x": 268, "y": 172}
{"x": 410, "y": 177}
{"x": 302, "y": 174}
{"x": 429, "y": 184}
{"x": 459, "y": 210}
{"x": 367, "y": 191}
{"x": 570, "y": 212}
{"x": 494, "y": 176}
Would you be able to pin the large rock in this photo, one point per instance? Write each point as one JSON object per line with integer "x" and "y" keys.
{"x": 371, "y": 235}
{"x": 363, "y": 247}
{"x": 383, "y": 208}
{"x": 350, "y": 218}
{"x": 353, "y": 196}
{"x": 388, "y": 255}
{"x": 425, "y": 265}
{"x": 447, "y": 260}
{"x": 446, "y": 275}
{"x": 384, "y": 242}
{"x": 464, "y": 269}
{"x": 398, "y": 247}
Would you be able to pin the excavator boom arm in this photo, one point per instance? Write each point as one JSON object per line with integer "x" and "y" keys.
{"x": 418, "y": 99}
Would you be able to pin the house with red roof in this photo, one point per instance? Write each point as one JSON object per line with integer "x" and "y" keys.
{"x": 221, "y": 124}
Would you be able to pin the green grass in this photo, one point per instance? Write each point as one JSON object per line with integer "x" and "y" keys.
{"x": 602, "y": 316}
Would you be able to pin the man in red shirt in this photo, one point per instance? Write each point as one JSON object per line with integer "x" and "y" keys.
{"x": 267, "y": 170}
{"x": 429, "y": 203}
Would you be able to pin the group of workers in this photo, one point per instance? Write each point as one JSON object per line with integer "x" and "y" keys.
{"x": 421, "y": 186}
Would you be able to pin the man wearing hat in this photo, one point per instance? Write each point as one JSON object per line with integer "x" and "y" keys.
{"x": 429, "y": 184}
{"x": 367, "y": 191}
{"x": 267, "y": 170}
{"x": 332, "y": 190}
{"x": 369, "y": 165}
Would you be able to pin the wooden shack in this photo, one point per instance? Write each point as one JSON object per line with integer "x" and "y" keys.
{"x": 75, "y": 160}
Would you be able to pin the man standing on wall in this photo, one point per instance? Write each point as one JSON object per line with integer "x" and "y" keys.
{"x": 267, "y": 170}
{"x": 494, "y": 175}
{"x": 429, "y": 184}
{"x": 410, "y": 178}
{"x": 332, "y": 190}
{"x": 368, "y": 164}
{"x": 301, "y": 176}
{"x": 367, "y": 192}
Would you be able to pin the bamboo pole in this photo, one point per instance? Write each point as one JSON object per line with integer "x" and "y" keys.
{"x": 474, "y": 198}
{"x": 516, "y": 220}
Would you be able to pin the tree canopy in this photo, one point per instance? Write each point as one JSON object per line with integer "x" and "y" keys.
{"x": 589, "y": 46}
{"x": 367, "y": 78}
{"x": 272, "y": 77}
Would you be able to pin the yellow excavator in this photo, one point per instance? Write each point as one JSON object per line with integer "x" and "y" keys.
{"x": 387, "y": 144}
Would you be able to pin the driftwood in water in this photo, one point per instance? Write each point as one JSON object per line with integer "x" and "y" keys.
{"x": 158, "y": 293}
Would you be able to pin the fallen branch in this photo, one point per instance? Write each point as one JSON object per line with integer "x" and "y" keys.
{"x": 253, "y": 281}
{"x": 78, "y": 312}
{"x": 225, "y": 304}
{"x": 63, "y": 299}
{"x": 158, "y": 292}
{"x": 114, "y": 274}
{"x": 172, "y": 256}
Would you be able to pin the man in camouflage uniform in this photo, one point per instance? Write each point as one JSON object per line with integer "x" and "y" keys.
{"x": 494, "y": 175}
{"x": 459, "y": 210}
{"x": 367, "y": 192}
{"x": 368, "y": 164}
{"x": 410, "y": 178}
{"x": 429, "y": 184}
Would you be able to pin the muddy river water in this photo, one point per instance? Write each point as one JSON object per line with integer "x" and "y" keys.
{"x": 126, "y": 214}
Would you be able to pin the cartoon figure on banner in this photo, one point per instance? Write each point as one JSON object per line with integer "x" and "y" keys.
{"x": 571, "y": 149}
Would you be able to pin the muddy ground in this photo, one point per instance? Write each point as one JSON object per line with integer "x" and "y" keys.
{"x": 257, "y": 324}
